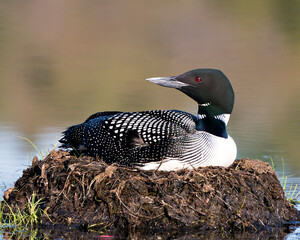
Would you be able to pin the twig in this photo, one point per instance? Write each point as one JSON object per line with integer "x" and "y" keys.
{"x": 62, "y": 191}
{"x": 161, "y": 162}
{"x": 237, "y": 212}
{"x": 133, "y": 213}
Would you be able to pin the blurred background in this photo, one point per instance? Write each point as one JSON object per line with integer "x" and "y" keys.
{"x": 61, "y": 61}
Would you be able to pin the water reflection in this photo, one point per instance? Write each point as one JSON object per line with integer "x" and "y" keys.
{"x": 205, "y": 235}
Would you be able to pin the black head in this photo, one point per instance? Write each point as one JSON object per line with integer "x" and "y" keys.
{"x": 208, "y": 87}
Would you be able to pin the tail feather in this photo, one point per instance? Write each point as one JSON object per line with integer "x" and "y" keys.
{"x": 72, "y": 137}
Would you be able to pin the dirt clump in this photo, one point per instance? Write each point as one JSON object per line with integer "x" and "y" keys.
{"x": 85, "y": 192}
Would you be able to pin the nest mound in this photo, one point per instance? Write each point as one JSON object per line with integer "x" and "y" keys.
{"x": 86, "y": 192}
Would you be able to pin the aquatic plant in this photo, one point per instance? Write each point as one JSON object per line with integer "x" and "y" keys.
{"x": 30, "y": 215}
{"x": 41, "y": 154}
{"x": 16, "y": 223}
{"x": 1, "y": 212}
{"x": 293, "y": 192}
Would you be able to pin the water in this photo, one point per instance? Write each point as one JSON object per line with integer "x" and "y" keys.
{"x": 62, "y": 61}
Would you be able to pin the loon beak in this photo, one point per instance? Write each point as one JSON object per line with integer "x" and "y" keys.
{"x": 170, "y": 82}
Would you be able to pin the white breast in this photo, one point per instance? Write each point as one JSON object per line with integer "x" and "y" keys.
{"x": 201, "y": 149}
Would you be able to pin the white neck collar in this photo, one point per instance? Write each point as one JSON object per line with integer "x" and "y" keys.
{"x": 223, "y": 117}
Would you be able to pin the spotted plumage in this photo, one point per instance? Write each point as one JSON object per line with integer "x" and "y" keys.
{"x": 164, "y": 139}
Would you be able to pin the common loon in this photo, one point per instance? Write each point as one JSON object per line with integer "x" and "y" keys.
{"x": 164, "y": 139}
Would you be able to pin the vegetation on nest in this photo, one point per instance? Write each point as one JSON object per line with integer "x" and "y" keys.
{"x": 61, "y": 166}
{"x": 292, "y": 193}
{"x": 87, "y": 193}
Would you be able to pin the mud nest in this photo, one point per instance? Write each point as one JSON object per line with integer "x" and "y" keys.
{"x": 85, "y": 192}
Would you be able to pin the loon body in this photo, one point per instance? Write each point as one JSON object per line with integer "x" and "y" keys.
{"x": 164, "y": 139}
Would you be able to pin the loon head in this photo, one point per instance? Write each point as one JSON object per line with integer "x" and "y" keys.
{"x": 210, "y": 88}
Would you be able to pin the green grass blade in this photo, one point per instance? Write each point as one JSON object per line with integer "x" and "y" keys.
{"x": 32, "y": 144}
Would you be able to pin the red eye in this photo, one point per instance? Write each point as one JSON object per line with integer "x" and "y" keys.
{"x": 197, "y": 79}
